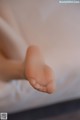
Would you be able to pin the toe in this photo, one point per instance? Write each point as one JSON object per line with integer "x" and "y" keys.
{"x": 40, "y": 88}
{"x": 43, "y": 89}
{"x": 51, "y": 88}
{"x": 35, "y": 84}
{"x": 32, "y": 82}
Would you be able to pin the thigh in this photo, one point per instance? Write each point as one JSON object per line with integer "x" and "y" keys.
{"x": 7, "y": 14}
{"x": 11, "y": 43}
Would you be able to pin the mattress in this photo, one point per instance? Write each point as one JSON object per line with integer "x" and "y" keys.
{"x": 55, "y": 28}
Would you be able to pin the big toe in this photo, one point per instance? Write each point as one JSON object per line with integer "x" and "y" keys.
{"x": 51, "y": 88}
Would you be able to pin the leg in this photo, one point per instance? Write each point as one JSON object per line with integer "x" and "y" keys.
{"x": 12, "y": 44}
{"x": 11, "y": 61}
{"x": 10, "y": 69}
{"x": 16, "y": 49}
{"x": 39, "y": 75}
{"x": 7, "y": 15}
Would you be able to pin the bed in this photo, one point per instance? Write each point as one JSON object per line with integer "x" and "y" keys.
{"x": 57, "y": 25}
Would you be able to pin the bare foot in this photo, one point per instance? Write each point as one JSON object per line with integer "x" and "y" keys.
{"x": 37, "y": 72}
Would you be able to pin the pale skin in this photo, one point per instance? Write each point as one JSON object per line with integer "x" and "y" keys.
{"x": 13, "y": 66}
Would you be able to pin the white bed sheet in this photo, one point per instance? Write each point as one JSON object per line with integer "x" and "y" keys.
{"x": 59, "y": 26}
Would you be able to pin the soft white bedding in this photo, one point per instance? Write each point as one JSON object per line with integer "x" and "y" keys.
{"x": 56, "y": 29}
